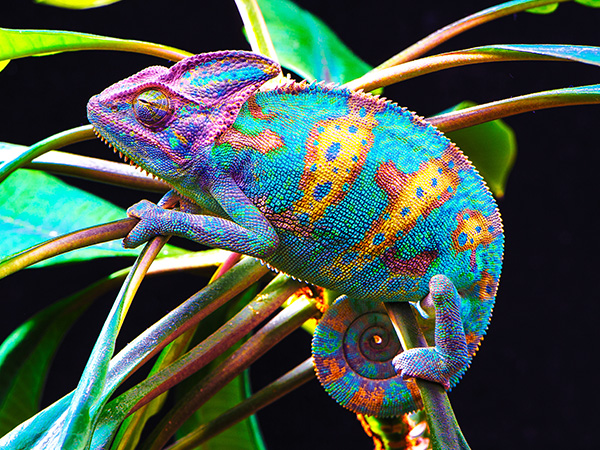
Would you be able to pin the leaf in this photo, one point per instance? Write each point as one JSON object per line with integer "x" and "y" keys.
{"x": 592, "y": 3}
{"x": 93, "y": 390}
{"x": 26, "y": 354}
{"x": 244, "y": 435}
{"x": 490, "y": 146}
{"x": 21, "y": 43}
{"x": 77, "y": 4}
{"x": 545, "y": 9}
{"x": 35, "y": 207}
{"x": 307, "y": 46}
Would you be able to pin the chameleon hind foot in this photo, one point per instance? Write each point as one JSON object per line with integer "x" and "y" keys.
{"x": 445, "y": 362}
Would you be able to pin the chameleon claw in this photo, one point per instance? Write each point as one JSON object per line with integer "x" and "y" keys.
{"x": 147, "y": 227}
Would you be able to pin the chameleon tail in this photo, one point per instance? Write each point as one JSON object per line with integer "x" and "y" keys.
{"x": 353, "y": 348}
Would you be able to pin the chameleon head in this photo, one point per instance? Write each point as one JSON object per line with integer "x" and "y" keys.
{"x": 166, "y": 119}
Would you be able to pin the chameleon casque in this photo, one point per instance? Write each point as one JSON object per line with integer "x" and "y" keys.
{"x": 341, "y": 189}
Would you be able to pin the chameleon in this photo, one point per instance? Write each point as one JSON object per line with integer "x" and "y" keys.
{"x": 341, "y": 189}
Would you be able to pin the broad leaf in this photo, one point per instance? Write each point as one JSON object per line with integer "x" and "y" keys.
{"x": 21, "y": 43}
{"x": 546, "y": 9}
{"x": 307, "y": 46}
{"x": 491, "y": 147}
{"x": 35, "y": 207}
{"x": 244, "y": 435}
{"x": 77, "y": 4}
{"x": 26, "y": 354}
{"x": 592, "y": 3}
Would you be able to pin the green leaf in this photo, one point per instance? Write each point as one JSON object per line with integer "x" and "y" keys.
{"x": 77, "y": 4}
{"x": 244, "y": 435}
{"x": 26, "y": 354}
{"x": 491, "y": 147}
{"x": 307, "y": 46}
{"x": 592, "y": 3}
{"x": 21, "y": 43}
{"x": 545, "y": 9}
{"x": 35, "y": 207}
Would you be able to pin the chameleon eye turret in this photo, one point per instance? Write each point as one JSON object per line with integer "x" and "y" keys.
{"x": 353, "y": 347}
{"x": 152, "y": 107}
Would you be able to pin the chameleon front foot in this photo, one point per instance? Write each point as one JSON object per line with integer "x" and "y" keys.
{"x": 148, "y": 226}
{"x": 449, "y": 358}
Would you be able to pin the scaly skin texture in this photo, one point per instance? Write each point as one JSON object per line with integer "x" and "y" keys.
{"x": 341, "y": 189}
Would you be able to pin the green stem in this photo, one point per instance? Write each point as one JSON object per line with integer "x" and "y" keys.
{"x": 247, "y": 272}
{"x": 54, "y": 142}
{"x": 94, "y": 169}
{"x": 444, "y": 429}
{"x": 90, "y": 396}
{"x": 274, "y": 331}
{"x": 131, "y": 429}
{"x": 443, "y": 34}
{"x": 582, "y": 95}
{"x": 256, "y": 28}
{"x": 72, "y": 241}
{"x": 274, "y": 391}
{"x": 221, "y": 340}
{"x": 263, "y": 305}
{"x": 435, "y": 63}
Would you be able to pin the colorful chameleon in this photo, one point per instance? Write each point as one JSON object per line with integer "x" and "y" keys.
{"x": 341, "y": 189}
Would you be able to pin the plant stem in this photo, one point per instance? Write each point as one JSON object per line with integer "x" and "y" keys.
{"x": 274, "y": 391}
{"x": 215, "y": 345}
{"x": 53, "y": 142}
{"x": 90, "y": 395}
{"x": 435, "y": 63}
{"x": 88, "y": 168}
{"x": 582, "y": 95}
{"x": 443, "y": 34}
{"x": 444, "y": 429}
{"x": 187, "y": 315}
{"x": 274, "y": 331}
{"x": 72, "y": 241}
{"x": 256, "y": 28}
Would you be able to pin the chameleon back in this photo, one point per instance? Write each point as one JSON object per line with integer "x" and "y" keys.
{"x": 367, "y": 199}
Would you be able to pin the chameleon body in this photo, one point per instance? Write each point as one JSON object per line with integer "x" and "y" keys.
{"x": 341, "y": 189}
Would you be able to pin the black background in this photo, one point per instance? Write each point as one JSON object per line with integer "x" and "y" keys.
{"x": 533, "y": 383}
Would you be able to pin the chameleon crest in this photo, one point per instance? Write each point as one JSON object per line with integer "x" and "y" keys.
{"x": 341, "y": 189}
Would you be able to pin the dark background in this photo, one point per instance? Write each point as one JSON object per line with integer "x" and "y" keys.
{"x": 533, "y": 383}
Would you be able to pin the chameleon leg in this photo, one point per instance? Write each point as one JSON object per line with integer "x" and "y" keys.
{"x": 246, "y": 230}
{"x": 450, "y": 355}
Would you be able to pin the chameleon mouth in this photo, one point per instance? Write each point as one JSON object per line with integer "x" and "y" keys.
{"x": 125, "y": 158}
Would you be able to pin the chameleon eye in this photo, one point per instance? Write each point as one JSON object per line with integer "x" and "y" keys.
{"x": 152, "y": 107}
